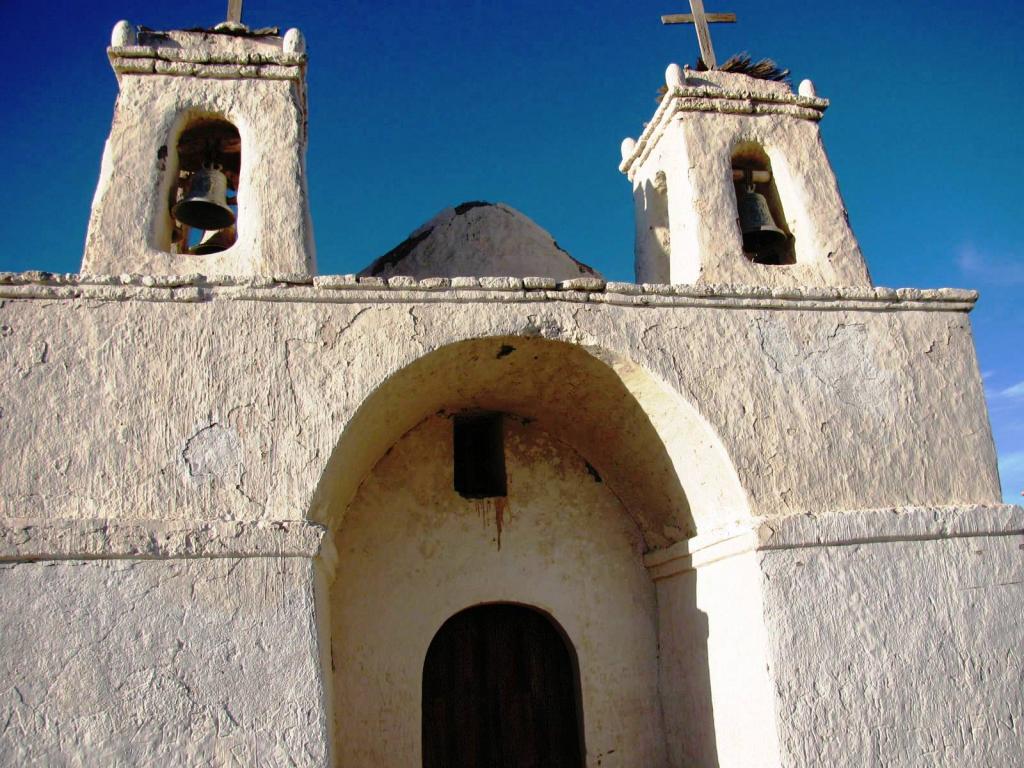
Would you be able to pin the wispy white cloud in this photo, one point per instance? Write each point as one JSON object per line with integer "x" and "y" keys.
{"x": 1012, "y": 462}
{"x": 1011, "y": 397}
{"x": 1011, "y": 472}
{"x": 1016, "y": 391}
{"x": 1004, "y": 269}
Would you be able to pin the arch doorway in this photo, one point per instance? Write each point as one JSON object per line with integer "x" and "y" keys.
{"x": 500, "y": 689}
{"x": 580, "y": 487}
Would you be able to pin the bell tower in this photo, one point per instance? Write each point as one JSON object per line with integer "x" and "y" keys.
{"x": 731, "y": 183}
{"x": 204, "y": 170}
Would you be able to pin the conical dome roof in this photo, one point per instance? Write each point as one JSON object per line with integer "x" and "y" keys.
{"x": 480, "y": 240}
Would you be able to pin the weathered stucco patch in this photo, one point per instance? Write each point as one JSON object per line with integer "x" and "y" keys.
{"x": 213, "y": 455}
{"x": 841, "y": 363}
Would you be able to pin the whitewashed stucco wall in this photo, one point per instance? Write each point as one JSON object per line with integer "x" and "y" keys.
{"x": 717, "y": 691}
{"x": 901, "y": 652}
{"x": 231, "y": 409}
{"x": 160, "y": 662}
{"x": 151, "y": 424}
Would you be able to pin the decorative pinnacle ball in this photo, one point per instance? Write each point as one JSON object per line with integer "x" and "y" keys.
{"x": 628, "y": 145}
{"x": 294, "y": 42}
{"x": 123, "y": 34}
{"x": 674, "y": 77}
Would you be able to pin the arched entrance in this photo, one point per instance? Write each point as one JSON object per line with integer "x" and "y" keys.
{"x": 500, "y": 689}
{"x": 412, "y": 551}
{"x": 527, "y": 471}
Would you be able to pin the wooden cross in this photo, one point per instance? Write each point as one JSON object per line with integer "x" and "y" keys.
{"x": 235, "y": 11}
{"x": 701, "y": 20}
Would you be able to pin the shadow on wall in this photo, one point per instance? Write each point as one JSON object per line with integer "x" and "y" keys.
{"x": 653, "y": 233}
{"x": 685, "y": 674}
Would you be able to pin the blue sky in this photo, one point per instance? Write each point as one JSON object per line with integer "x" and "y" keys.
{"x": 416, "y": 106}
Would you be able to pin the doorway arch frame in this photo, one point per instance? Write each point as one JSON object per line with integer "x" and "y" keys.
{"x": 567, "y": 643}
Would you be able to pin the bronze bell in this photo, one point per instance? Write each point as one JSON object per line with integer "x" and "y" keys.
{"x": 205, "y": 206}
{"x": 214, "y": 241}
{"x": 760, "y": 235}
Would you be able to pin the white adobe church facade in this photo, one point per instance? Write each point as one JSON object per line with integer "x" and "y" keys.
{"x": 742, "y": 512}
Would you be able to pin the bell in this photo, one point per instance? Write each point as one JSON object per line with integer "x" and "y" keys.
{"x": 760, "y": 235}
{"x": 214, "y": 241}
{"x": 205, "y": 206}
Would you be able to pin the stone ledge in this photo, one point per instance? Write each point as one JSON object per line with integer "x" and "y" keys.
{"x": 204, "y": 56}
{"x": 703, "y": 549}
{"x": 836, "y": 529}
{"x": 23, "y": 539}
{"x": 815, "y": 103}
{"x": 884, "y": 525}
{"x": 188, "y": 62}
{"x": 742, "y": 106}
{"x": 210, "y": 71}
{"x": 404, "y": 289}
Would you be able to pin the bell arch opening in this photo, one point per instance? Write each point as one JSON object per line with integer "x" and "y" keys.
{"x": 501, "y": 687}
{"x": 763, "y": 225}
{"x": 199, "y": 204}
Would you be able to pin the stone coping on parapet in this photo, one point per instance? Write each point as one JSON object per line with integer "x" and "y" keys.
{"x": 225, "y": 65}
{"x": 225, "y": 62}
{"x": 352, "y": 289}
{"x": 711, "y": 98}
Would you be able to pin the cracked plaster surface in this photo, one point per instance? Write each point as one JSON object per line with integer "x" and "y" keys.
{"x": 232, "y": 409}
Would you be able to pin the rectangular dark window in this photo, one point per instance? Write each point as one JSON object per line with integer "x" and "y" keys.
{"x": 479, "y": 440}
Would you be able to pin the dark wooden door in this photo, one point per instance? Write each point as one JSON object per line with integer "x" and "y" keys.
{"x": 499, "y": 691}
